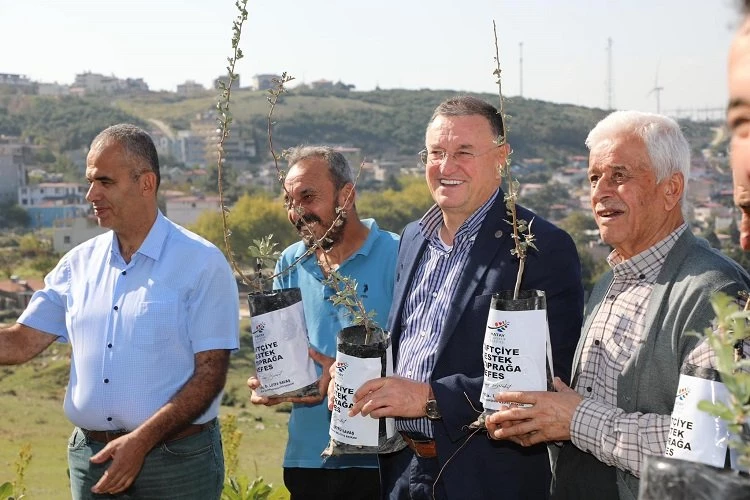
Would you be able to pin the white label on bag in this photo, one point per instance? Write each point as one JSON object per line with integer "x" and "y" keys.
{"x": 351, "y": 373}
{"x": 514, "y": 353}
{"x": 695, "y": 435}
{"x": 282, "y": 362}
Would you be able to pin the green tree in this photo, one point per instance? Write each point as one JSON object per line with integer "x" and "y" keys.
{"x": 252, "y": 217}
{"x": 577, "y": 224}
{"x": 394, "y": 209}
{"x": 13, "y": 216}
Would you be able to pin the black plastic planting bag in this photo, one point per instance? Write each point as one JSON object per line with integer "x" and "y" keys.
{"x": 665, "y": 478}
{"x": 361, "y": 355}
{"x": 282, "y": 363}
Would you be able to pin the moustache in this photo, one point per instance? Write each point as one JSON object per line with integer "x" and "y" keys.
{"x": 308, "y": 219}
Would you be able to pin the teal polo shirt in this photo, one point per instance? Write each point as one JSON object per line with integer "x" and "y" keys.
{"x": 373, "y": 266}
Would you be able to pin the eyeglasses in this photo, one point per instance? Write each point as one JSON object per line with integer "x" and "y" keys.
{"x": 438, "y": 156}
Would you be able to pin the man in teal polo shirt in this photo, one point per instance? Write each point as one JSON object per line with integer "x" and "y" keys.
{"x": 320, "y": 185}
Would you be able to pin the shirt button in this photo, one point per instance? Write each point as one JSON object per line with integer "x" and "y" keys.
{"x": 641, "y": 276}
{"x": 434, "y": 294}
{"x": 124, "y": 273}
{"x": 611, "y": 297}
{"x": 106, "y": 381}
{"x": 596, "y": 342}
{"x": 408, "y": 373}
{"x": 109, "y": 419}
{"x": 422, "y": 334}
{"x": 588, "y": 389}
{"x": 116, "y": 308}
{"x": 109, "y": 345}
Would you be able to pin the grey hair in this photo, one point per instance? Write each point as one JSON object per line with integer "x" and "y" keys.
{"x": 138, "y": 146}
{"x": 467, "y": 106}
{"x": 667, "y": 147}
{"x": 338, "y": 167}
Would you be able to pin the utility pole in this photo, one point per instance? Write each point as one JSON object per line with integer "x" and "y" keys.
{"x": 520, "y": 65}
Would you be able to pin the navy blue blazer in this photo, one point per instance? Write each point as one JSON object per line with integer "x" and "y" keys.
{"x": 485, "y": 468}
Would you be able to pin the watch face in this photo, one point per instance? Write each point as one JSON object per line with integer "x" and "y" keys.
{"x": 431, "y": 410}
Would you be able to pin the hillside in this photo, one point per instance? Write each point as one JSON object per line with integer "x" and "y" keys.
{"x": 383, "y": 123}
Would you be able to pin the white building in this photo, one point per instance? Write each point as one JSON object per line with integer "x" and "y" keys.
{"x": 185, "y": 210}
{"x": 73, "y": 232}
{"x": 56, "y": 193}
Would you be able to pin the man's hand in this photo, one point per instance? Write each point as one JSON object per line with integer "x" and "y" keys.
{"x": 127, "y": 454}
{"x": 391, "y": 397}
{"x": 325, "y": 378}
{"x": 547, "y": 420}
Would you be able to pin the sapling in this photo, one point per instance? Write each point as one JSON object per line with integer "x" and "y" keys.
{"x": 727, "y": 341}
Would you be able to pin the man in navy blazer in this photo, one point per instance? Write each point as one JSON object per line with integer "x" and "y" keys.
{"x": 449, "y": 265}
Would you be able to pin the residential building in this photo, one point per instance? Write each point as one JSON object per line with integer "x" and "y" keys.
{"x": 264, "y": 82}
{"x": 185, "y": 209}
{"x": 15, "y": 293}
{"x": 15, "y": 157}
{"x": 190, "y": 88}
{"x": 71, "y": 232}
{"x": 52, "y": 193}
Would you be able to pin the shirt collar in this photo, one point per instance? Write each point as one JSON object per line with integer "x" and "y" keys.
{"x": 647, "y": 264}
{"x": 154, "y": 242}
{"x": 433, "y": 219}
{"x": 366, "y": 247}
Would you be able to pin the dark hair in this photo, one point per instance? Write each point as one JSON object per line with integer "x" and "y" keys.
{"x": 467, "y": 105}
{"x": 338, "y": 167}
{"x": 137, "y": 144}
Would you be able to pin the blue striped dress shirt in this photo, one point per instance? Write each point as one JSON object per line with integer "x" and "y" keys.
{"x": 432, "y": 290}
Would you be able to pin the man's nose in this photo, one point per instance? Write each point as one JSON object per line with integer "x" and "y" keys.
{"x": 91, "y": 194}
{"x": 600, "y": 190}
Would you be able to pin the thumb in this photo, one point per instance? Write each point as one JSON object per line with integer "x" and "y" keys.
{"x": 560, "y": 386}
{"x": 102, "y": 456}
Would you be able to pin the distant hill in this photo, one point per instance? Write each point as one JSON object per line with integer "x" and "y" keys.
{"x": 383, "y": 123}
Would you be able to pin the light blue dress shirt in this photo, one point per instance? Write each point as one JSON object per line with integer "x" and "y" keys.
{"x": 134, "y": 327}
{"x": 374, "y": 268}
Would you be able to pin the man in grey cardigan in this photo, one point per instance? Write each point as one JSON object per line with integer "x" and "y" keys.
{"x": 635, "y": 336}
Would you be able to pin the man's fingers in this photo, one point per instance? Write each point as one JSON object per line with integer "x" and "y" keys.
{"x": 560, "y": 386}
{"x": 528, "y": 397}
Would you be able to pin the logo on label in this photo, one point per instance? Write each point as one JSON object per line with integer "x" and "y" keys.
{"x": 682, "y": 393}
{"x": 341, "y": 366}
{"x": 258, "y": 329}
{"x": 498, "y": 327}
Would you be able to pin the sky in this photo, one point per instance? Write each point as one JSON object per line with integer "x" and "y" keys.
{"x": 678, "y": 45}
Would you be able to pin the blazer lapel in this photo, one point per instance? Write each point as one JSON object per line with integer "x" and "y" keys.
{"x": 493, "y": 237}
{"x": 411, "y": 250}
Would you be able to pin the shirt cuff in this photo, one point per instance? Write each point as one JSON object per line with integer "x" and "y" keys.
{"x": 586, "y": 425}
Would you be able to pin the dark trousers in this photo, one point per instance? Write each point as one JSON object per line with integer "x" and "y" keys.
{"x": 407, "y": 476}
{"x": 353, "y": 483}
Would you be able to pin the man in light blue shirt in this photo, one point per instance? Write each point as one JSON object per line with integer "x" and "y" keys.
{"x": 319, "y": 185}
{"x": 151, "y": 313}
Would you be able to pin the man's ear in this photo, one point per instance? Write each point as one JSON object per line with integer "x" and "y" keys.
{"x": 673, "y": 187}
{"x": 148, "y": 182}
{"x": 346, "y": 196}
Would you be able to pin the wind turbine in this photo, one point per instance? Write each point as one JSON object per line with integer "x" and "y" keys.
{"x": 657, "y": 90}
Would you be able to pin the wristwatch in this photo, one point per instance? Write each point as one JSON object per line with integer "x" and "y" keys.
{"x": 431, "y": 410}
